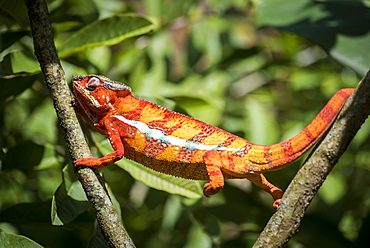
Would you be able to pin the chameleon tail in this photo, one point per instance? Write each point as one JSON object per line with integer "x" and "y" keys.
{"x": 260, "y": 158}
{"x": 280, "y": 155}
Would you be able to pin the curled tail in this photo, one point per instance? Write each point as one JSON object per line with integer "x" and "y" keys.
{"x": 277, "y": 156}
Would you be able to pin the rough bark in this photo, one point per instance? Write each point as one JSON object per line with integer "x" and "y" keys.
{"x": 285, "y": 222}
{"x": 45, "y": 50}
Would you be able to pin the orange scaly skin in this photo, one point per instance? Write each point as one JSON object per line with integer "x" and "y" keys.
{"x": 181, "y": 146}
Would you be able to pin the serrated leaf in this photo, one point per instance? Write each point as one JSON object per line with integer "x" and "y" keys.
{"x": 154, "y": 179}
{"x": 13, "y": 240}
{"x": 340, "y": 27}
{"x": 106, "y": 32}
{"x": 69, "y": 200}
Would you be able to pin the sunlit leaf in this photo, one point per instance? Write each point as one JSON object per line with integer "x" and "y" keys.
{"x": 109, "y": 31}
{"x": 19, "y": 62}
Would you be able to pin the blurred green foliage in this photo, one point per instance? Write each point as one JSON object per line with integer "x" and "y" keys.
{"x": 237, "y": 64}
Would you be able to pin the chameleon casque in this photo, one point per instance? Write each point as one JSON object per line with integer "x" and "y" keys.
{"x": 175, "y": 144}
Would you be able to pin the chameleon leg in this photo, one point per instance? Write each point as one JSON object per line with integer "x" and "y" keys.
{"x": 212, "y": 159}
{"x": 117, "y": 145}
{"x": 261, "y": 181}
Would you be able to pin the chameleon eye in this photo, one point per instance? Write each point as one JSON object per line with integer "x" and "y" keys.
{"x": 92, "y": 84}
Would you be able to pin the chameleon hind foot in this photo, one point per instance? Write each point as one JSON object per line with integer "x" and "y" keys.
{"x": 212, "y": 160}
{"x": 209, "y": 190}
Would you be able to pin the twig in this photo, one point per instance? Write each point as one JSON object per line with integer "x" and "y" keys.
{"x": 285, "y": 222}
{"x": 107, "y": 217}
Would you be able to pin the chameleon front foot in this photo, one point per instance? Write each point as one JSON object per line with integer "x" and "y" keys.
{"x": 90, "y": 162}
{"x": 100, "y": 162}
{"x": 276, "y": 204}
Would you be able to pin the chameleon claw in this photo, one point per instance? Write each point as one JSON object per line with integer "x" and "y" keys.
{"x": 209, "y": 190}
{"x": 276, "y": 204}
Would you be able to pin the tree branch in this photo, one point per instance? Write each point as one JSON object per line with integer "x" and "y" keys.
{"x": 285, "y": 222}
{"x": 45, "y": 50}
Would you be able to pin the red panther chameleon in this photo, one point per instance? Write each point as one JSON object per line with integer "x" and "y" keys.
{"x": 178, "y": 145}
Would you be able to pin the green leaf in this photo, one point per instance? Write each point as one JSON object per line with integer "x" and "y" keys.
{"x": 41, "y": 126}
{"x": 19, "y": 62}
{"x": 27, "y": 213}
{"x": 198, "y": 108}
{"x": 197, "y": 237}
{"x": 106, "y": 32}
{"x": 260, "y": 120}
{"x": 97, "y": 240}
{"x": 69, "y": 200}
{"x": 154, "y": 179}
{"x": 15, "y": 86}
{"x": 24, "y": 61}
{"x": 333, "y": 188}
{"x": 31, "y": 155}
{"x": 210, "y": 41}
{"x": 8, "y": 38}
{"x": 15, "y": 11}
{"x": 12, "y": 240}
{"x": 171, "y": 212}
{"x": 340, "y": 27}
{"x": 50, "y": 158}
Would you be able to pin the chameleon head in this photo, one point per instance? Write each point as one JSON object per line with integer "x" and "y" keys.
{"x": 96, "y": 95}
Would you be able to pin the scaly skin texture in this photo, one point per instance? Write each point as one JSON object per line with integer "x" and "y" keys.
{"x": 181, "y": 146}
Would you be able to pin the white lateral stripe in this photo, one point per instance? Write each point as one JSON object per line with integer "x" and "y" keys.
{"x": 159, "y": 135}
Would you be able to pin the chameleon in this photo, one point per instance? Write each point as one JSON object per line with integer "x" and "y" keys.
{"x": 181, "y": 146}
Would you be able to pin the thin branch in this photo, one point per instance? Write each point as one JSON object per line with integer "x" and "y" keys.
{"x": 285, "y": 222}
{"x": 45, "y": 50}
